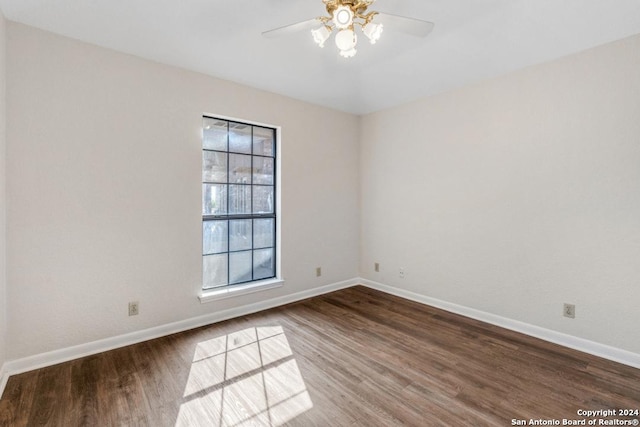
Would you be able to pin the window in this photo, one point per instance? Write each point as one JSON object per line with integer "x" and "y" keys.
{"x": 238, "y": 203}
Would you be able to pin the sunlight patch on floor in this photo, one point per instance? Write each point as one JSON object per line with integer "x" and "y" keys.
{"x": 249, "y": 377}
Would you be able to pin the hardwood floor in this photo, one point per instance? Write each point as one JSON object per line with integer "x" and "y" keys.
{"x": 352, "y": 357}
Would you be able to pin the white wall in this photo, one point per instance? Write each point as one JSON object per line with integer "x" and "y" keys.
{"x": 104, "y": 160}
{"x": 516, "y": 195}
{"x": 3, "y": 234}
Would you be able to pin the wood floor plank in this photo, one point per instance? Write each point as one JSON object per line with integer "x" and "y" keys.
{"x": 355, "y": 357}
{"x": 17, "y": 400}
{"x": 52, "y": 385}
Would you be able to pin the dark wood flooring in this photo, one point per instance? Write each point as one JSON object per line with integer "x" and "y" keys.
{"x": 352, "y": 357}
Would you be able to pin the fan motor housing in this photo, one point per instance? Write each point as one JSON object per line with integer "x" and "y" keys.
{"x": 357, "y": 6}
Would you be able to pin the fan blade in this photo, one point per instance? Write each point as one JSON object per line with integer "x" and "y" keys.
{"x": 293, "y": 28}
{"x": 415, "y": 27}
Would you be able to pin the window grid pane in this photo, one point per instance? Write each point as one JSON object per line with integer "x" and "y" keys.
{"x": 215, "y": 237}
{"x": 238, "y": 202}
{"x": 214, "y": 167}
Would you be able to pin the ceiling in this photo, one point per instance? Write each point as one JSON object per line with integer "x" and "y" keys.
{"x": 472, "y": 40}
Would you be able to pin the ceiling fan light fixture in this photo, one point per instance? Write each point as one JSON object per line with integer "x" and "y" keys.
{"x": 346, "y": 40}
{"x": 320, "y": 35}
{"x": 343, "y": 17}
{"x": 373, "y": 31}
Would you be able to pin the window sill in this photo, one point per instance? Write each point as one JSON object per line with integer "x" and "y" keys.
{"x": 234, "y": 291}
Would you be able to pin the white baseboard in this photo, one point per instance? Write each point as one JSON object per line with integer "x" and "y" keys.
{"x": 54, "y": 357}
{"x": 4, "y": 377}
{"x": 576, "y": 343}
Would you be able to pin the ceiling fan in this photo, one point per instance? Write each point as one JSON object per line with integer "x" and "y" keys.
{"x": 344, "y": 16}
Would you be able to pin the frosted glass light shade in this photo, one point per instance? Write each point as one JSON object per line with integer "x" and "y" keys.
{"x": 373, "y": 32}
{"x": 348, "y": 53}
{"x": 320, "y": 35}
{"x": 346, "y": 40}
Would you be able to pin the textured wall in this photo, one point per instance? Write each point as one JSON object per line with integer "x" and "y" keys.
{"x": 516, "y": 195}
{"x": 104, "y": 160}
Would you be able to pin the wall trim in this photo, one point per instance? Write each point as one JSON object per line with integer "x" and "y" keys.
{"x": 4, "y": 377}
{"x": 54, "y": 357}
{"x": 586, "y": 346}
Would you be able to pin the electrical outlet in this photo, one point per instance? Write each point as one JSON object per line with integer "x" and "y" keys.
{"x": 134, "y": 309}
{"x": 401, "y": 273}
{"x": 376, "y": 267}
{"x": 569, "y": 311}
{"x": 318, "y": 271}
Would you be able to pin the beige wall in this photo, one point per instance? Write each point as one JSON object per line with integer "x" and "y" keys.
{"x": 516, "y": 195}
{"x": 3, "y": 234}
{"x": 104, "y": 192}
{"x": 511, "y": 196}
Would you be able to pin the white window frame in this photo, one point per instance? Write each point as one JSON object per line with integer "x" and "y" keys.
{"x": 228, "y": 291}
